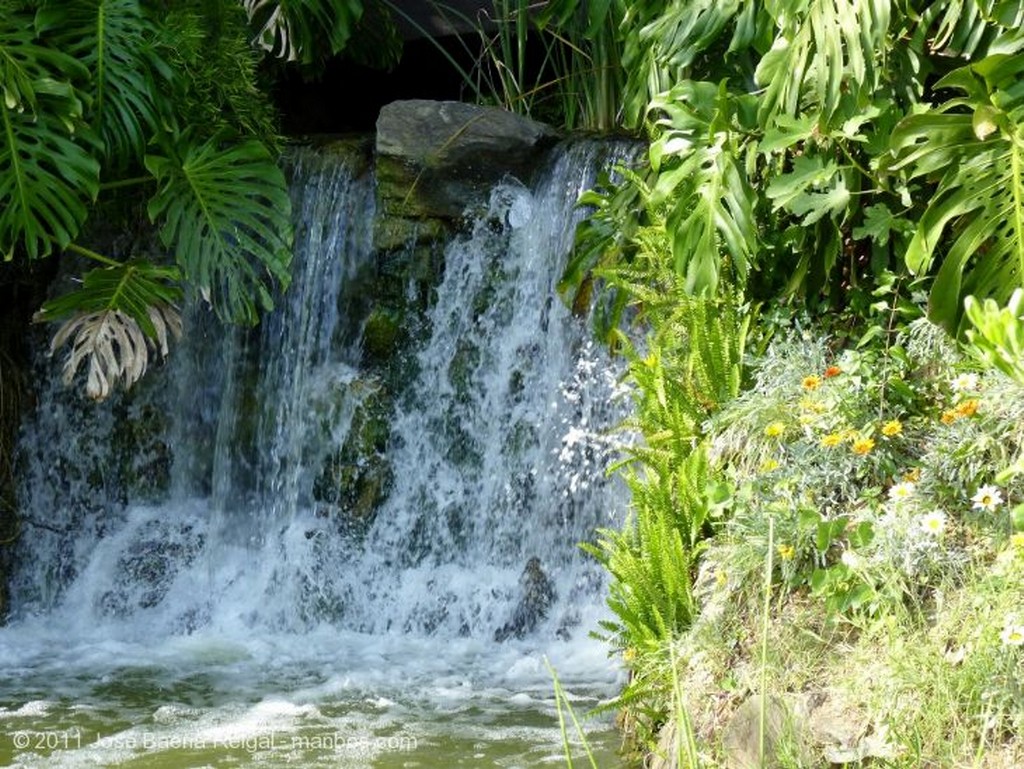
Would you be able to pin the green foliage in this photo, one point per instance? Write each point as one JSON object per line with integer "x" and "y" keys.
{"x": 974, "y": 144}
{"x": 794, "y": 148}
{"x": 173, "y": 94}
{"x": 226, "y": 212}
{"x": 213, "y": 73}
{"x": 822, "y": 60}
{"x": 576, "y": 77}
{"x": 113, "y": 39}
{"x": 303, "y": 30}
{"x": 116, "y": 317}
{"x": 48, "y": 176}
{"x": 709, "y": 201}
{"x": 997, "y": 336}
{"x": 129, "y": 288}
{"x": 652, "y": 558}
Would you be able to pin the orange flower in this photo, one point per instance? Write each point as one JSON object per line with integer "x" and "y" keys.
{"x": 863, "y": 446}
{"x": 811, "y": 382}
{"x": 832, "y": 371}
{"x": 967, "y": 408}
{"x": 949, "y": 417}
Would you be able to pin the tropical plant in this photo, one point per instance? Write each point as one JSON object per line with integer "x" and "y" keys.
{"x": 997, "y": 334}
{"x": 974, "y": 145}
{"x": 794, "y": 148}
{"x": 104, "y": 96}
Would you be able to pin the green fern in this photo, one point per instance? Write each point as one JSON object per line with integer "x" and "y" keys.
{"x": 652, "y": 558}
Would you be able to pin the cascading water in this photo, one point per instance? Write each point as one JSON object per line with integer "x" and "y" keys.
{"x": 192, "y": 595}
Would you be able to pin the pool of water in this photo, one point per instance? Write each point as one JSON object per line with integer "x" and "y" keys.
{"x": 320, "y": 699}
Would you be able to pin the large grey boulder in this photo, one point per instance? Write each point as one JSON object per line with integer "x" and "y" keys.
{"x": 435, "y": 158}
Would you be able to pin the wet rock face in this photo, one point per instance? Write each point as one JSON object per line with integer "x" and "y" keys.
{"x": 436, "y": 159}
{"x": 538, "y": 594}
{"x": 147, "y": 569}
{"x": 443, "y": 155}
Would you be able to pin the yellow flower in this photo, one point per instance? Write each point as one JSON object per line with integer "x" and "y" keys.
{"x": 775, "y": 429}
{"x": 811, "y": 382}
{"x": 786, "y": 552}
{"x": 967, "y": 408}
{"x": 769, "y": 465}
{"x": 629, "y": 654}
{"x": 913, "y": 475}
{"x": 949, "y": 417}
{"x": 832, "y": 439}
{"x": 892, "y": 427}
{"x": 863, "y": 446}
{"x": 815, "y": 407}
{"x": 1017, "y": 540}
{"x": 722, "y": 578}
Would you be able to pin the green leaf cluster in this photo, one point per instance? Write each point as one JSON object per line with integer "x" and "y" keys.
{"x": 801, "y": 149}
{"x": 102, "y": 98}
{"x": 996, "y": 336}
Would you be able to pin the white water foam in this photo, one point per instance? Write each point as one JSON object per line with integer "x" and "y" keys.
{"x": 233, "y": 588}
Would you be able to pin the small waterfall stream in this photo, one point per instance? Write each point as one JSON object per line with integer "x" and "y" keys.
{"x": 184, "y": 596}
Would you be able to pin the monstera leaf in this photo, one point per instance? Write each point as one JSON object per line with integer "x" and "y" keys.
{"x": 114, "y": 321}
{"x": 111, "y": 38}
{"x": 702, "y": 181}
{"x": 971, "y": 28}
{"x": 47, "y": 176}
{"x": 224, "y": 209}
{"x": 974, "y": 222}
{"x": 824, "y": 53}
{"x": 297, "y": 30}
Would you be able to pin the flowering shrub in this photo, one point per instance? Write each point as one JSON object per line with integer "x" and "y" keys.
{"x": 877, "y": 466}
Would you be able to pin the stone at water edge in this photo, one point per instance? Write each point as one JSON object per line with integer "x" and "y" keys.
{"x": 538, "y": 595}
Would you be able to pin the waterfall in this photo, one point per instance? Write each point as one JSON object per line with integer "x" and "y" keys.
{"x": 210, "y": 526}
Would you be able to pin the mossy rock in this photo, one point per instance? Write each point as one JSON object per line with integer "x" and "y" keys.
{"x": 381, "y": 335}
{"x": 463, "y": 368}
{"x": 357, "y": 478}
{"x": 393, "y": 231}
{"x": 355, "y": 489}
{"x": 145, "y": 458}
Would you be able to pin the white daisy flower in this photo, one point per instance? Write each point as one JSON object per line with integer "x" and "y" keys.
{"x": 988, "y": 498}
{"x": 1012, "y": 635}
{"x": 902, "y": 491}
{"x": 965, "y": 383}
{"x": 933, "y": 523}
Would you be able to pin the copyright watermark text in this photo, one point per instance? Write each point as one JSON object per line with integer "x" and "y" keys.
{"x": 136, "y": 741}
